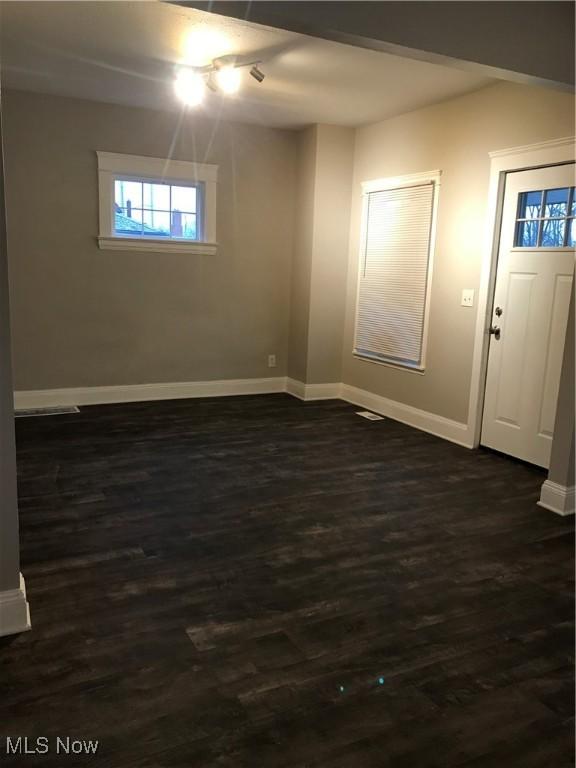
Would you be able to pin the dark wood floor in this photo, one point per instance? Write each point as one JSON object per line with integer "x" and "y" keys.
{"x": 256, "y": 581}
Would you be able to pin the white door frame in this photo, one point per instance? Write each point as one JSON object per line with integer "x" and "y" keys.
{"x": 503, "y": 161}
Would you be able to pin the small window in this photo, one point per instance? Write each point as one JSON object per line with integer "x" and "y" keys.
{"x": 153, "y": 204}
{"x": 546, "y": 219}
{"x": 145, "y": 209}
{"x": 395, "y": 269}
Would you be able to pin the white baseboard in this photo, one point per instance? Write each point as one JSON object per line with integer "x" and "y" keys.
{"x": 328, "y": 391}
{"x": 428, "y": 422}
{"x": 48, "y": 398}
{"x": 557, "y": 498}
{"x": 14, "y": 611}
{"x": 454, "y": 431}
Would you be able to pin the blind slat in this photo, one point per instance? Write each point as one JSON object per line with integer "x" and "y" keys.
{"x": 394, "y": 274}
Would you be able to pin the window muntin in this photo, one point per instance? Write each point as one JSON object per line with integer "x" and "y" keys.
{"x": 144, "y": 208}
{"x": 545, "y": 219}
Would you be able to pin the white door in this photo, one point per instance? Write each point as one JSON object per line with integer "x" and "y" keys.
{"x": 530, "y": 312}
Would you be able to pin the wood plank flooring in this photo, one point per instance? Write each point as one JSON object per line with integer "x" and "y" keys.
{"x": 257, "y": 581}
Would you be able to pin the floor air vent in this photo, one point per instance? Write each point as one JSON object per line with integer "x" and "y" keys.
{"x": 47, "y": 411}
{"x": 369, "y": 415}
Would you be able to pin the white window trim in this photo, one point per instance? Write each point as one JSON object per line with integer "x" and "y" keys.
{"x": 111, "y": 164}
{"x": 379, "y": 185}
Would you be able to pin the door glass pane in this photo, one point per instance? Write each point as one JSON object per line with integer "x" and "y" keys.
{"x": 556, "y": 202}
{"x": 184, "y": 199}
{"x": 573, "y": 206}
{"x": 156, "y": 196}
{"x": 553, "y": 233}
{"x": 529, "y": 205}
{"x": 527, "y": 234}
{"x": 571, "y": 233}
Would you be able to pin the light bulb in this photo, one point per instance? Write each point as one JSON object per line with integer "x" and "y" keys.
{"x": 228, "y": 79}
{"x": 190, "y": 87}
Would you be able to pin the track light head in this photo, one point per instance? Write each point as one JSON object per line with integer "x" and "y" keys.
{"x": 257, "y": 73}
{"x": 190, "y": 87}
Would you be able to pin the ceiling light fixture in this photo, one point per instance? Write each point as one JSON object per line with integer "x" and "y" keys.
{"x": 190, "y": 87}
{"x": 192, "y": 82}
{"x": 228, "y": 79}
{"x": 257, "y": 73}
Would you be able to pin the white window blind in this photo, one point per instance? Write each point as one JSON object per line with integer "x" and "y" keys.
{"x": 394, "y": 274}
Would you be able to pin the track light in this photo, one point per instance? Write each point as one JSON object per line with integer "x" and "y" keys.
{"x": 257, "y": 73}
{"x": 192, "y": 83}
{"x": 228, "y": 79}
{"x": 190, "y": 87}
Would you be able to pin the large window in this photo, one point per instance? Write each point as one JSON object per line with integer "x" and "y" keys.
{"x": 149, "y": 203}
{"x": 395, "y": 269}
{"x": 546, "y": 219}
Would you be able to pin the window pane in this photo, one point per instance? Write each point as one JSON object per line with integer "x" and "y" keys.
{"x": 127, "y": 195}
{"x": 553, "y": 233}
{"x": 184, "y": 225}
{"x": 124, "y": 225}
{"x": 189, "y": 226}
{"x": 573, "y": 206}
{"x": 156, "y": 196}
{"x": 527, "y": 234}
{"x": 556, "y": 202}
{"x": 156, "y": 224}
{"x": 529, "y": 205}
{"x": 572, "y": 233}
{"x": 184, "y": 199}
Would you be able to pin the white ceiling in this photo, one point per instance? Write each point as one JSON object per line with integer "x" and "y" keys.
{"x": 127, "y": 52}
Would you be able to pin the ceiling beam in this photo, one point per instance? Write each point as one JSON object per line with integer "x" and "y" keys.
{"x": 530, "y": 42}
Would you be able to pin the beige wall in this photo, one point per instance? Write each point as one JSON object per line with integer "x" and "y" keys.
{"x": 86, "y": 317}
{"x": 334, "y": 165}
{"x": 9, "y": 541}
{"x": 455, "y": 137}
{"x": 303, "y": 245}
{"x": 562, "y": 454}
{"x": 322, "y": 226}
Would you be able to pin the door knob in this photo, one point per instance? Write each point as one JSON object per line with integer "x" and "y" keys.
{"x": 494, "y": 330}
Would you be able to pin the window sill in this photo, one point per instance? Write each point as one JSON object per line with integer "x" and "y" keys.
{"x": 409, "y": 368}
{"x": 157, "y": 246}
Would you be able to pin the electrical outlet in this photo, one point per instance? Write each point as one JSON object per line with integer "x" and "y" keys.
{"x": 468, "y": 297}
{"x": 271, "y": 361}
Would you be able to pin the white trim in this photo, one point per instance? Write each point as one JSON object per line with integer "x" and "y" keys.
{"x": 396, "y": 182}
{"x": 557, "y": 498}
{"x": 46, "y": 398}
{"x": 159, "y": 167}
{"x": 313, "y": 391}
{"x": 156, "y": 245}
{"x": 414, "y": 417}
{"x": 503, "y": 161}
{"x": 541, "y": 145}
{"x": 111, "y": 164}
{"x": 454, "y": 431}
{"x": 14, "y": 610}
